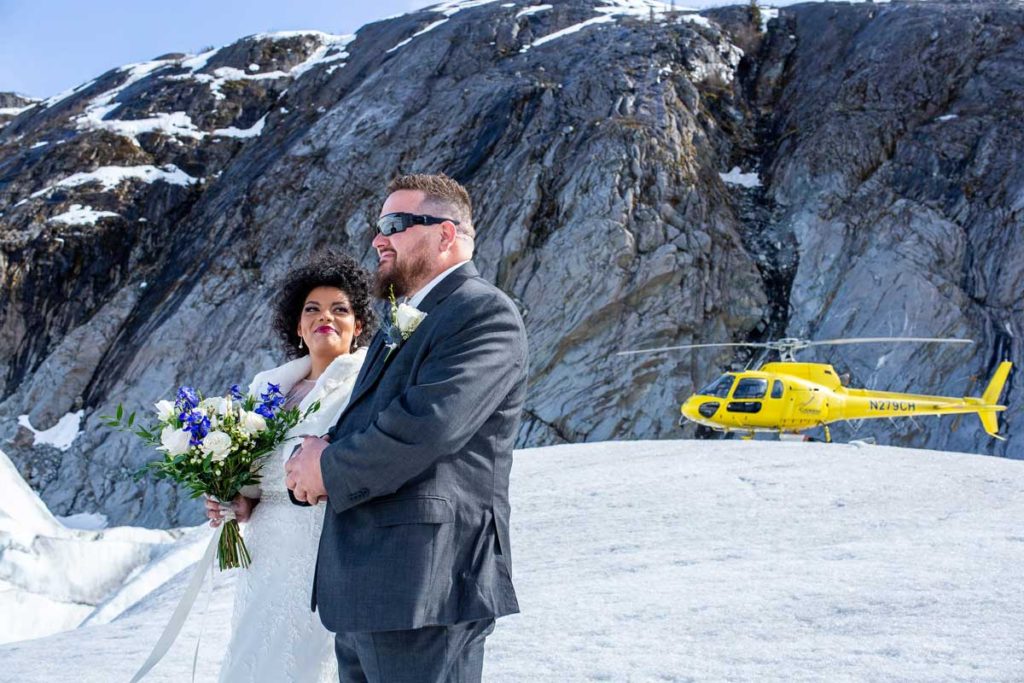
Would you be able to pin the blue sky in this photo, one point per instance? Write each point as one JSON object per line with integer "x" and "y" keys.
{"x": 47, "y": 46}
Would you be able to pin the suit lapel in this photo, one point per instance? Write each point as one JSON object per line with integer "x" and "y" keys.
{"x": 371, "y": 368}
{"x": 375, "y": 362}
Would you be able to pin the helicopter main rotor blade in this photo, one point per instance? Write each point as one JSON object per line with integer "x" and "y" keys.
{"x": 688, "y": 346}
{"x": 879, "y": 340}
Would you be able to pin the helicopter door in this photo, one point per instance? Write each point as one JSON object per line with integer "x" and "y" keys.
{"x": 746, "y": 400}
{"x": 806, "y": 407}
{"x": 780, "y": 406}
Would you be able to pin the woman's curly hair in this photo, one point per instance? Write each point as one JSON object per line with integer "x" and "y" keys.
{"x": 328, "y": 269}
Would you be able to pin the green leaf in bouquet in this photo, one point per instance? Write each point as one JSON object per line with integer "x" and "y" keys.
{"x": 315, "y": 406}
{"x": 120, "y": 412}
{"x": 131, "y": 420}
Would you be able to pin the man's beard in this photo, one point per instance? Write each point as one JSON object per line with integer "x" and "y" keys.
{"x": 403, "y": 275}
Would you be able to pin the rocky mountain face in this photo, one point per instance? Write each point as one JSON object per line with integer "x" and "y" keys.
{"x": 642, "y": 177}
{"x": 12, "y": 104}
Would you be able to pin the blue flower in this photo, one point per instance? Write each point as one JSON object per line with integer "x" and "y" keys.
{"x": 199, "y": 426}
{"x": 236, "y": 392}
{"x": 270, "y": 399}
{"x": 187, "y": 397}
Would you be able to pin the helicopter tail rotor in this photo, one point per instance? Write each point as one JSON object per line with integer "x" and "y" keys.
{"x": 990, "y": 416}
{"x": 996, "y": 384}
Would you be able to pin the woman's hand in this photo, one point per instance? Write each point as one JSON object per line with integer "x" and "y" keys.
{"x": 241, "y": 506}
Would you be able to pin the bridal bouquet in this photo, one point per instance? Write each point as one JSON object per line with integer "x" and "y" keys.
{"x": 214, "y": 447}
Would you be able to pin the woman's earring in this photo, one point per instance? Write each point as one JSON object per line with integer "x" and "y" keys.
{"x": 300, "y": 343}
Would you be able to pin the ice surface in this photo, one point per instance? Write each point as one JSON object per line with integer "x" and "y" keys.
{"x": 21, "y": 510}
{"x": 52, "y": 575}
{"x": 698, "y": 560}
{"x": 86, "y": 521}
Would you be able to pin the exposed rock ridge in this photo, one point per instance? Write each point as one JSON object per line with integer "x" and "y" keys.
{"x": 638, "y": 182}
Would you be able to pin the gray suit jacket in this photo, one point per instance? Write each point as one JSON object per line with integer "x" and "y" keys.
{"x": 416, "y": 526}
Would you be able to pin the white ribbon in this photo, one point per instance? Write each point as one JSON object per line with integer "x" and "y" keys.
{"x": 225, "y": 509}
{"x": 173, "y": 628}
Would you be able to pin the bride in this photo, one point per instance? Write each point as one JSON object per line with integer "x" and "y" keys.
{"x": 323, "y": 311}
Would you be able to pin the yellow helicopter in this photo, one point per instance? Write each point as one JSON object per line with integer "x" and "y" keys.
{"x": 787, "y": 397}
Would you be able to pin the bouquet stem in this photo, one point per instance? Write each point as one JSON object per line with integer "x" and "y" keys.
{"x": 231, "y": 550}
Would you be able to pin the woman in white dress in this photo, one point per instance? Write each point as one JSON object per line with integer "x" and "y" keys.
{"x": 323, "y": 311}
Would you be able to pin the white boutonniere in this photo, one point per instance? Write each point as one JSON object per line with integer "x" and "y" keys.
{"x": 404, "y": 321}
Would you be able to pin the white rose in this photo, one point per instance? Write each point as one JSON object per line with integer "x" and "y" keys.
{"x": 409, "y": 318}
{"x": 174, "y": 440}
{"x": 164, "y": 410}
{"x": 218, "y": 404}
{"x": 218, "y": 444}
{"x": 251, "y": 423}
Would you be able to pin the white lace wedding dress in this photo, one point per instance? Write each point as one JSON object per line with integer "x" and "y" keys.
{"x": 274, "y": 635}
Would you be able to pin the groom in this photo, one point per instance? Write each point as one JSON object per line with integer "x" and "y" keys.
{"x": 414, "y": 563}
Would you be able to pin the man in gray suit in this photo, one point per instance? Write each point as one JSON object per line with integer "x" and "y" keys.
{"x": 414, "y": 563}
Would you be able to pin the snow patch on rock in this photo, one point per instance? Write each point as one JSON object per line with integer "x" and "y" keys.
{"x": 737, "y": 177}
{"x": 251, "y": 132}
{"x": 112, "y": 176}
{"x": 81, "y": 215}
{"x": 532, "y": 9}
{"x": 62, "y": 434}
{"x": 611, "y": 10}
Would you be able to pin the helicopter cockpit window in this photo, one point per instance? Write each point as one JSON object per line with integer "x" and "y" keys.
{"x": 777, "y": 388}
{"x": 719, "y": 388}
{"x": 751, "y": 387}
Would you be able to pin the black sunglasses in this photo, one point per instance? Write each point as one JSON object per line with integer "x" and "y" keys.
{"x": 390, "y": 223}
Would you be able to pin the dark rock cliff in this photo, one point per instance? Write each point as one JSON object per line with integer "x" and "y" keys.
{"x": 147, "y": 215}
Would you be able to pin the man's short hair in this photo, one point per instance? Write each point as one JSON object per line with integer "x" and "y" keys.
{"x": 443, "y": 194}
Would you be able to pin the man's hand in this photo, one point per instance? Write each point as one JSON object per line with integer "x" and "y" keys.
{"x": 302, "y": 471}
